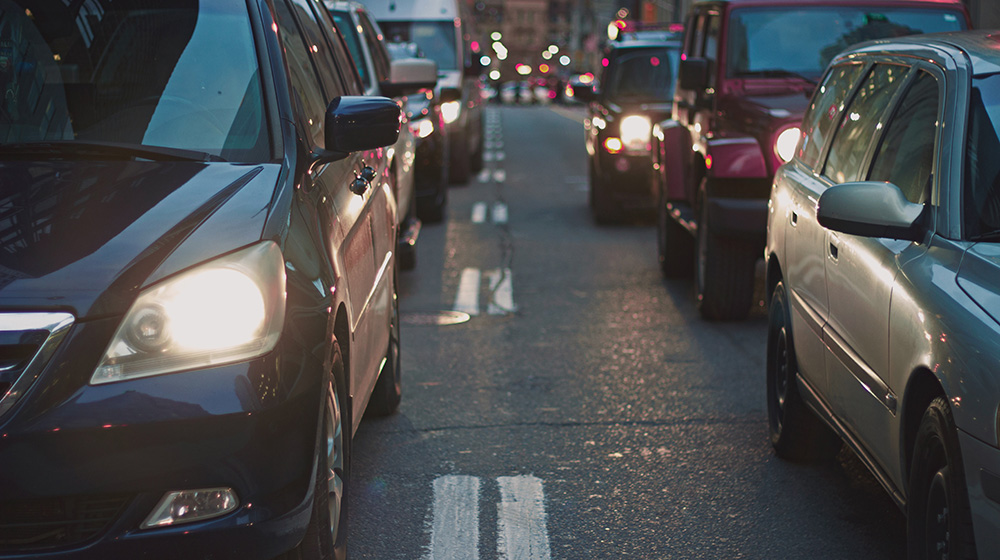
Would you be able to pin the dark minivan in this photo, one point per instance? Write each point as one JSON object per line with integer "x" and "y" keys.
{"x": 197, "y": 278}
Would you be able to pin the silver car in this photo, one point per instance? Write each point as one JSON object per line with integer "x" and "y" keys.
{"x": 883, "y": 275}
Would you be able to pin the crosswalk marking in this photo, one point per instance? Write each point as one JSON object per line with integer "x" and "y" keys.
{"x": 499, "y": 175}
{"x": 479, "y": 212}
{"x": 455, "y": 526}
{"x": 502, "y": 290}
{"x": 522, "y": 531}
{"x": 498, "y": 212}
{"x": 467, "y": 300}
{"x": 484, "y": 176}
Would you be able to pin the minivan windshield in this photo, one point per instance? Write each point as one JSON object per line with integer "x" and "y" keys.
{"x": 156, "y": 76}
{"x": 788, "y": 41}
{"x": 642, "y": 76}
{"x": 435, "y": 38}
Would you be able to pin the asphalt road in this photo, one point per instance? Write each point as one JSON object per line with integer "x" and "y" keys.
{"x": 583, "y": 411}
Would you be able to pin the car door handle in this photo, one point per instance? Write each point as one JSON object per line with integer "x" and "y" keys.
{"x": 795, "y": 218}
{"x": 833, "y": 251}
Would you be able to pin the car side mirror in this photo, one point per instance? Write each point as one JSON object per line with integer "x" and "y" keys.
{"x": 408, "y": 76}
{"x": 448, "y": 94}
{"x": 693, "y": 74}
{"x": 870, "y": 209}
{"x": 355, "y": 123}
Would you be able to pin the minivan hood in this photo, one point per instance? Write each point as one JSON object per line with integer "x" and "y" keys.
{"x": 85, "y": 236}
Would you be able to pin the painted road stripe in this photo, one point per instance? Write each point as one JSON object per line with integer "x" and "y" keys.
{"x": 521, "y": 531}
{"x": 488, "y": 156}
{"x": 479, "y": 212}
{"x": 502, "y": 290}
{"x": 467, "y": 300}
{"x": 484, "y": 175}
{"x": 499, "y": 175}
{"x": 499, "y": 213}
{"x": 455, "y": 528}
{"x": 500, "y": 156}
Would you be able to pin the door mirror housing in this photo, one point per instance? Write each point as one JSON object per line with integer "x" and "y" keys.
{"x": 693, "y": 74}
{"x": 355, "y": 123}
{"x": 408, "y": 76}
{"x": 870, "y": 209}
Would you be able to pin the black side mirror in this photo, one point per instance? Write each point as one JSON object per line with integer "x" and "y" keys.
{"x": 355, "y": 123}
{"x": 693, "y": 74}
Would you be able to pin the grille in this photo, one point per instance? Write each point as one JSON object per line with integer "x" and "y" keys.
{"x": 27, "y": 341}
{"x": 31, "y": 525}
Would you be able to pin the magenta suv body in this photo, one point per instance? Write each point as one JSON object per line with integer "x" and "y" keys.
{"x": 747, "y": 72}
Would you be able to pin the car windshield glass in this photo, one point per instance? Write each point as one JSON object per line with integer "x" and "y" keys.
{"x": 179, "y": 74}
{"x": 645, "y": 75}
{"x": 981, "y": 198}
{"x": 435, "y": 38}
{"x": 787, "y": 41}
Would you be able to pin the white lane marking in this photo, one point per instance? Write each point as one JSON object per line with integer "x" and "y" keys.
{"x": 500, "y": 156}
{"x": 499, "y": 175}
{"x": 467, "y": 300}
{"x": 502, "y": 290}
{"x": 499, "y": 213}
{"x": 479, "y": 212}
{"x": 521, "y": 530}
{"x": 484, "y": 175}
{"x": 455, "y": 528}
{"x": 488, "y": 156}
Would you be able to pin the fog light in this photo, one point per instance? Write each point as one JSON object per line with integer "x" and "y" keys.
{"x": 186, "y": 506}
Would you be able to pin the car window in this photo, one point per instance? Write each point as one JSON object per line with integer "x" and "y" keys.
{"x": 175, "y": 76}
{"x": 981, "y": 194}
{"x": 906, "y": 154}
{"x": 319, "y": 50}
{"x": 373, "y": 36}
{"x": 353, "y": 40}
{"x": 696, "y": 47}
{"x": 308, "y": 97}
{"x": 641, "y": 75}
{"x": 823, "y": 112}
{"x": 860, "y": 121}
{"x": 711, "y": 52}
{"x": 348, "y": 69}
{"x": 435, "y": 38}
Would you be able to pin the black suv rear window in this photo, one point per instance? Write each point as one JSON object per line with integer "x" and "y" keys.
{"x": 642, "y": 75}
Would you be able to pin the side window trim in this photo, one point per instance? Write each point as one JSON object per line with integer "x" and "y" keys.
{"x": 890, "y": 110}
{"x": 824, "y": 151}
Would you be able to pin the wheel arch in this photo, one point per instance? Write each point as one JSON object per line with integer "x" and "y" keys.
{"x": 772, "y": 275}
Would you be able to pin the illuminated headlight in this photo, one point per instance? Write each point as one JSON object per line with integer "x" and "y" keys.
{"x": 225, "y": 311}
{"x": 786, "y": 142}
{"x": 635, "y": 131}
{"x": 422, "y": 128}
{"x": 450, "y": 111}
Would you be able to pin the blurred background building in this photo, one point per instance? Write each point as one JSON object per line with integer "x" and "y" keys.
{"x": 556, "y": 38}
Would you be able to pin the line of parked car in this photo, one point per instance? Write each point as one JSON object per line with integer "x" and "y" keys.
{"x": 859, "y": 159}
{"x": 204, "y": 208}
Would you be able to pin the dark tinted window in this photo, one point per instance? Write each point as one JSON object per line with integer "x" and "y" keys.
{"x": 642, "y": 75}
{"x": 982, "y": 166}
{"x": 373, "y": 36}
{"x": 353, "y": 39}
{"x": 308, "y": 97}
{"x": 157, "y": 73}
{"x": 803, "y": 40}
{"x": 906, "y": 155}
{"x": 860, "y": 121}
{"x": 319, "y": 48}
{"x": 826, "y": 105}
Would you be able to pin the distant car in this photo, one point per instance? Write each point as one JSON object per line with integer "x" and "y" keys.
{"x": 198, "y": 297}
{"x": 747, "y": 71}
{"x": 431, "y": 168}
{"x": 398, "y": 79}
{"x": 883, "y": 269}
{"x": 636, "y": 90}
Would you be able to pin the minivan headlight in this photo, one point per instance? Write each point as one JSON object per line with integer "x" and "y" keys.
{"x": 228, "y": 310}
{"x": 635, "y": 131}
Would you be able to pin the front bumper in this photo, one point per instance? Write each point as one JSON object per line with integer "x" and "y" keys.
{"x": 81, "y": 468}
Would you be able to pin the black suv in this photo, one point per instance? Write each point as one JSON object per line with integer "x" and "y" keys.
{"x": 635, "y": 89}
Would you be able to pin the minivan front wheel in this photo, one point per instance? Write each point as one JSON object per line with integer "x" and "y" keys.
{"x": 938, "y": 517}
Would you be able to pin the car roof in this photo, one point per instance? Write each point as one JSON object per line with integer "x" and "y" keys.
{"x": 981, "y": 48}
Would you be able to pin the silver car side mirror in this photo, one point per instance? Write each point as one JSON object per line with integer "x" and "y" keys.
{"x": 870, "y": 209}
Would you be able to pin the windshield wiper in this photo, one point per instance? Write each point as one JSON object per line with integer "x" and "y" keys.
{"x": 987, "y": 236}
{"x": 88, "y": 150}
{"x": 775, "y": 73}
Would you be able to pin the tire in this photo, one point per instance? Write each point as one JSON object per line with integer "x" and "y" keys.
{"x": 724, "y": 272}
{"x": 938, "y": 518}
{"x": 388, "y": 389}
{"x": 602, "y": 207}
{"x": 326, "y": 535}
{"x": 674, "y": 244}
{"x": 796, "y": 433}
